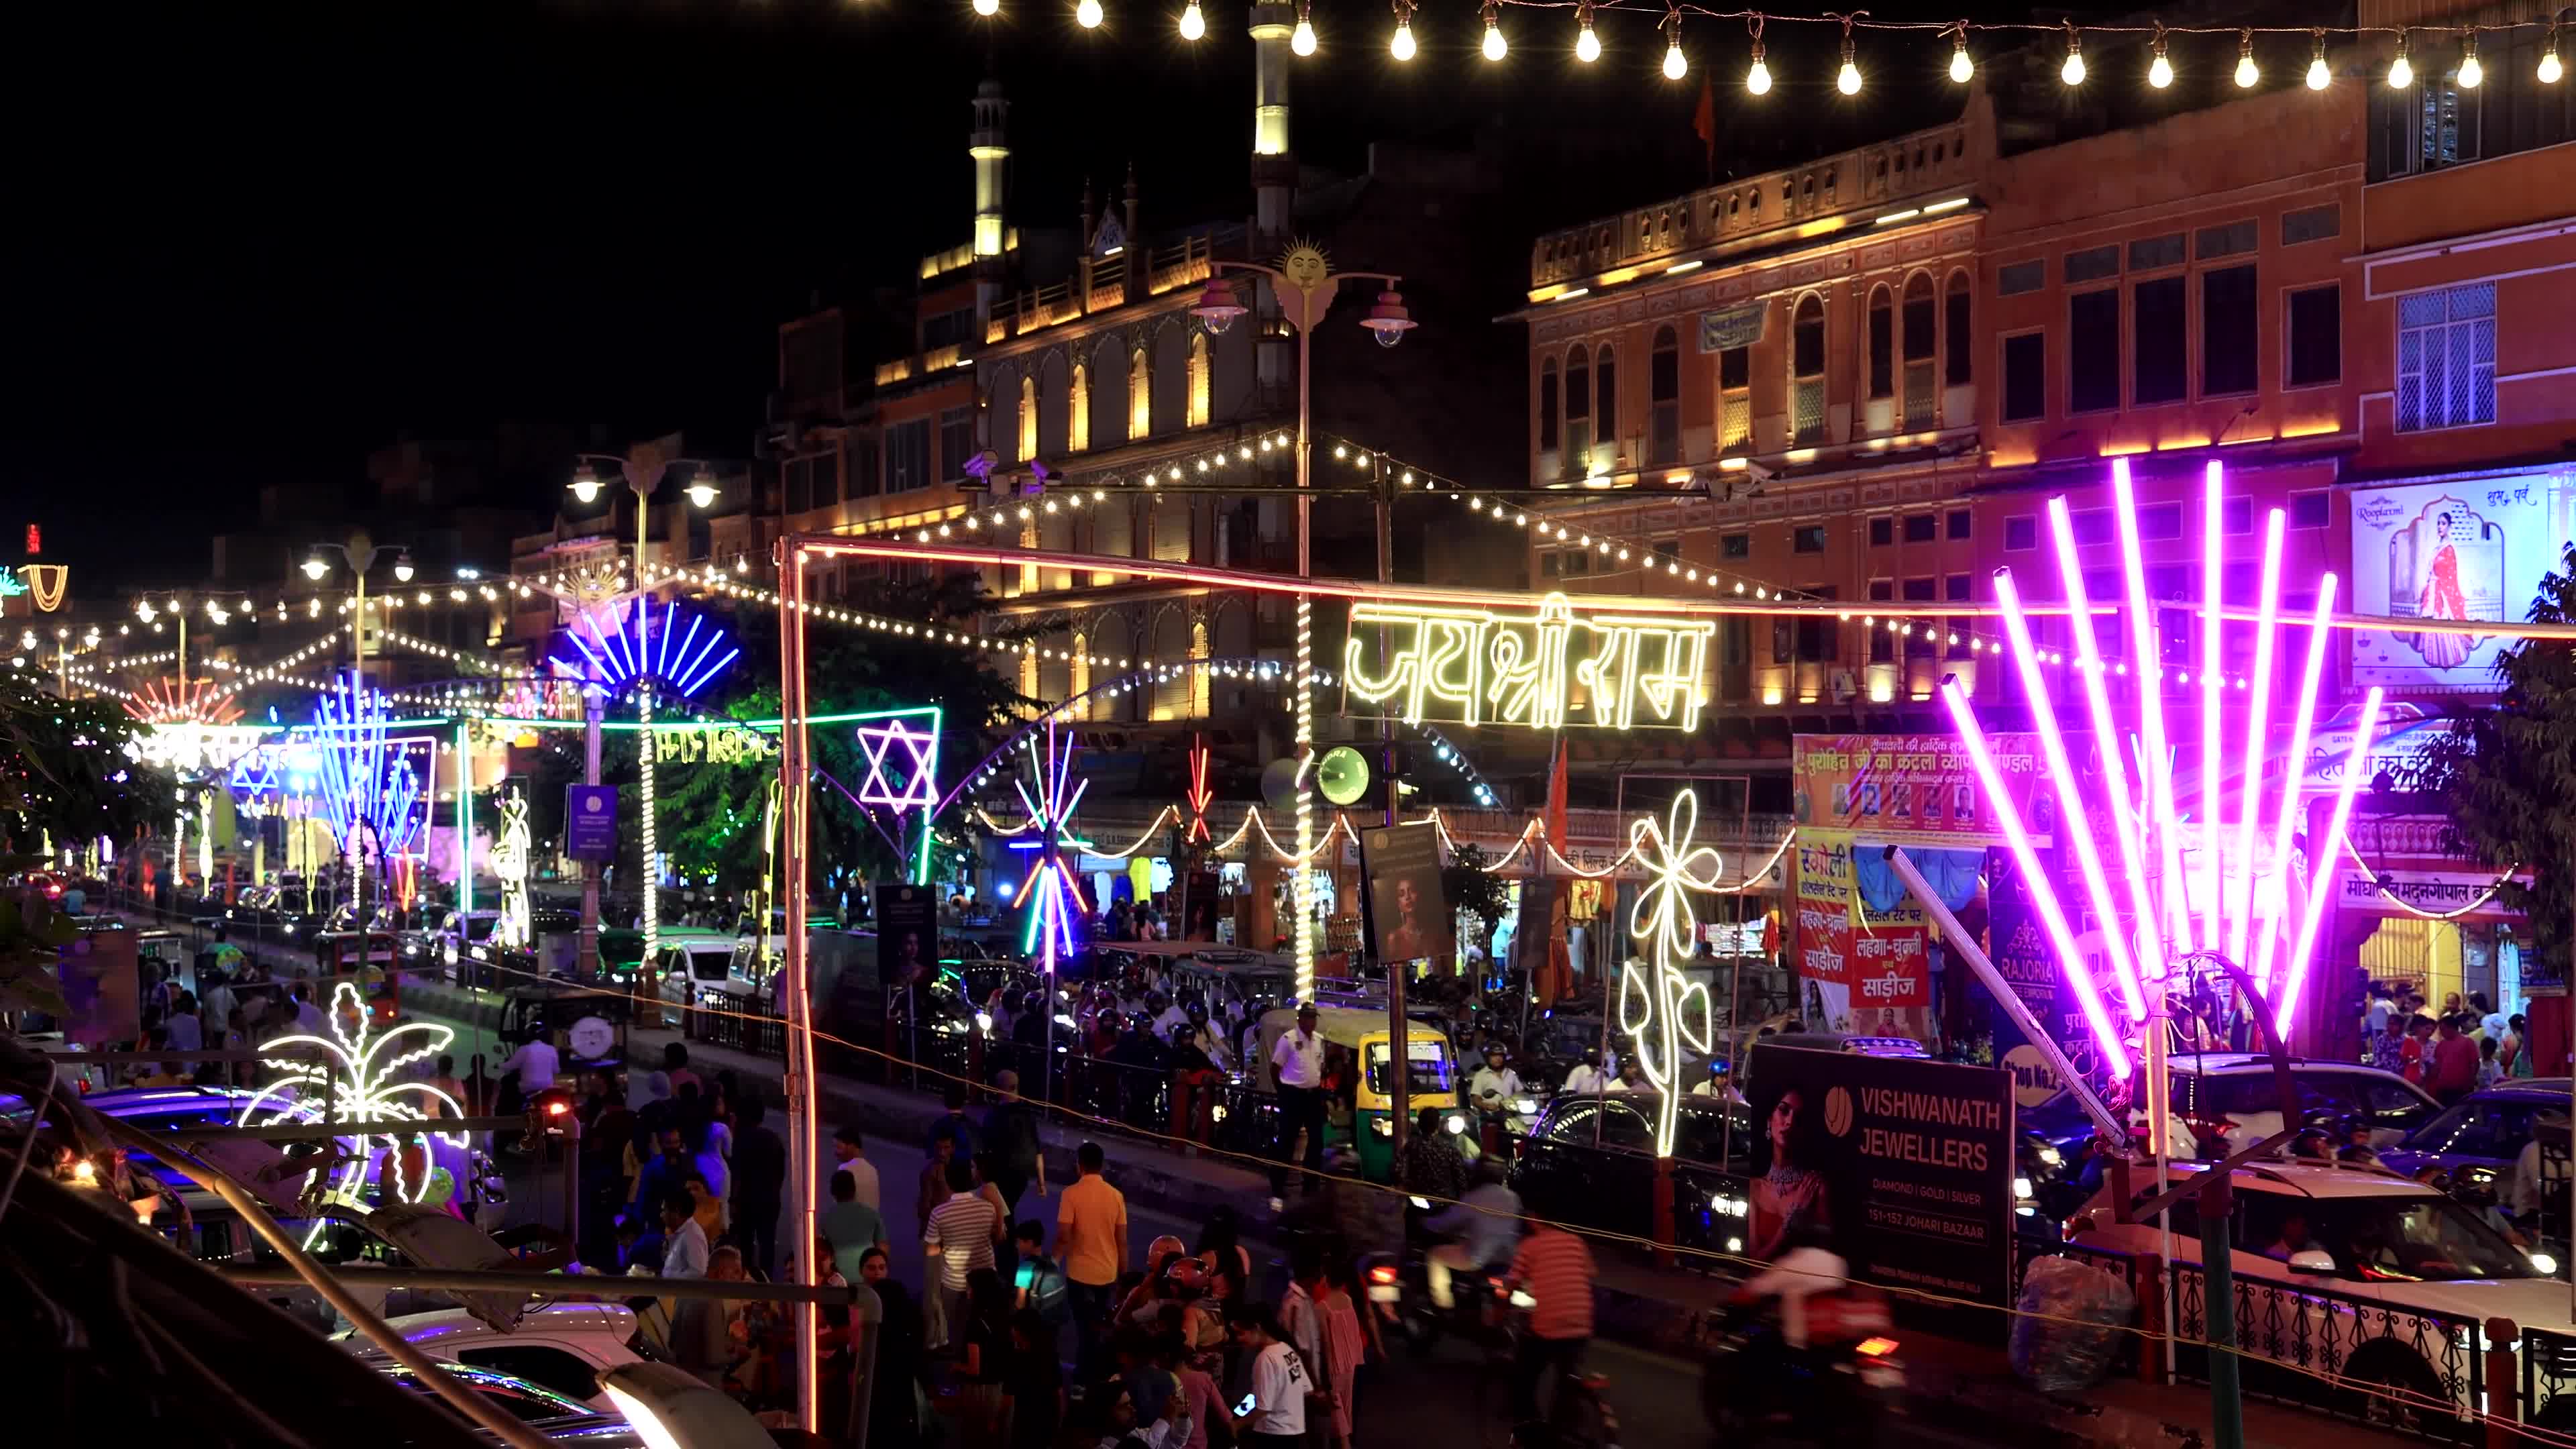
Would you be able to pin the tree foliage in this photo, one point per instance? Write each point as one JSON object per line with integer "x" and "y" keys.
{"x": 68, "y": 769}
{"x": 2509, "y": 774}
{"x": 1472, "y": 887}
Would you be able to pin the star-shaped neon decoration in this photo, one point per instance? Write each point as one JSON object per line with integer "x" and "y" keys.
{"x": 361, "y": 1088}
{"x": 1656, "y": 1000}
{"x": 902, "y": 764}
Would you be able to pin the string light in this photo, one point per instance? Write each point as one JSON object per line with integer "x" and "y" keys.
{"x": 2550, "y": 70}
{"x": 1302, "y": 40}
{"x": 1495, "y": 48}
{"x": 1587, "y": 46}
{"x": 1088, "y": 14}
{"x": 2073, "y": 71}
{"x": 1193, "y": 24}
{"x": 1758, "y": 79}
{"x": 2401, "y": 74}
{"x": 1676, "y": 64}
{"x": 2246, "y": 74}
{"x": 1961, "y": 68}
{"x": 1847, "y": 79}
{"x": 2318, "y": 75}
{"x": 2160, "y": 71}
{"x": 2470, "y": 71}
{"x": 1401, "y": 47}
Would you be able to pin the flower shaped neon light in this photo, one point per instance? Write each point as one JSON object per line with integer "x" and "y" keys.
{"x": 1657, "y": 1003}
{"x": 511, "y": 848}
{"x": 361, "y": 1088}
{"x": 2167, "y": 915}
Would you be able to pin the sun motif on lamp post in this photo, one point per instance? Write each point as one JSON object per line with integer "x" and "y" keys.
{"x": 1657, "y": 1002}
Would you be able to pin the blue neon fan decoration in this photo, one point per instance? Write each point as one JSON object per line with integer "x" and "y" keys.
{"x": 626, "y": 645}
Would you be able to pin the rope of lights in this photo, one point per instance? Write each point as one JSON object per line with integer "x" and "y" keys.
{"x": 2416, "y": 911}
{"x": 1669, "y": 15}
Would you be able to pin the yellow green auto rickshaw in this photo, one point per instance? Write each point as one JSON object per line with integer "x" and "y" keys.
{"x": 1431, "y": 1075}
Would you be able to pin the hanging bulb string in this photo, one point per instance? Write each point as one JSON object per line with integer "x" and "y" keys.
{"x": 1961, "y": 29}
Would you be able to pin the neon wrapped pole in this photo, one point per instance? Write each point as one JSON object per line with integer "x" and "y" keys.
{"x": 2163, "y": 923}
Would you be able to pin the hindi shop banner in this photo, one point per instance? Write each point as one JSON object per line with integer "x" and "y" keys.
{"x": 1918, "y": 788}
{"x": 2459, "y": 549}
{"x": 1905, "y": 1164}
{"x": 1868, "y": 970}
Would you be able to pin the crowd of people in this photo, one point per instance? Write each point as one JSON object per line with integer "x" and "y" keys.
{"x": 2467, "y": 1045}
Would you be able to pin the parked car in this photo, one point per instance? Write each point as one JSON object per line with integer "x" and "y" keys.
{"x": 565, "y": 1348}
{"x": 540, "y": 1408}
{"x": 2354, "y": 1272}
{"x": 2224, "y": 1102}
{"x": 691, "y": 967}
{"x": 2480, "y": 1137}
{"x": 1590, "y": 1161}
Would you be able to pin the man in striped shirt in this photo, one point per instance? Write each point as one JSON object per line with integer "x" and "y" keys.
{"x": 958, "y": 1240}
{"x": 1554, "y": 1268}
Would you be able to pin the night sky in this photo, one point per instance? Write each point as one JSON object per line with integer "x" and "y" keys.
{"x": 250, "y": 243}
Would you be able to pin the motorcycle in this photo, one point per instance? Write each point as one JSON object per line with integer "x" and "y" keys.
{"x": 1838, "y": 1391}
{"x": 1399, "y": 1290}
{"x": 1578, "y": 1411}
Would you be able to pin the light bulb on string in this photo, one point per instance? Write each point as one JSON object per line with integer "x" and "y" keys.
{"x": 2160, "y": 70}
{"x": 1087, "y": 14}
{"x": 1302, "y": 40}
{"x": 2073, "y": 71}
{"x": 1495, "y": 48}
{"x": 1587, "y": 46}
{"x": 1847, "y": 79}
{"x": 1758, "y": 79}
{"x": 988, "y": 8}
{"x": 1961, "y": 68}
{"x": 2318, "y": 74}
{"x": 1193, "y": 24}
{"x": 2550, "y": 69}
{"x": 2401, "y": 73}
{"x": 1401, "y": 47}
{"x": 2246, "y": 74}
{"x": 1676, "y": 64}
{"x": 2470, "y": 71}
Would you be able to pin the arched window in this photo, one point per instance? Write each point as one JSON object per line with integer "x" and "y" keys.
{"x": 1547, "y": 406}
{"x": 1954, "y": 326}
{"x": 1199, "y": 691}
{"x": 1028, "y": 418}
{"x": 1807, "y": 370}
{"x": 1081, "y": 409}
{"x": 1921, "y": 410}
{"x": 1081, "y": 682}
{"x": 1664, "y": 391}
{"x": 1605, "y": 409}
{"x": 1108, "y": 427}
{"x": 1882, "y": 343}
{"x": 1029, "y": 670}
{"x": 1140, "y": 395}
{"x": 1578, "y": 411}
{"x": 1200, "y": 385}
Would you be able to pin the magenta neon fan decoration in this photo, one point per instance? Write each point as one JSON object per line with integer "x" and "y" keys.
{"x": 2139, "y": 877}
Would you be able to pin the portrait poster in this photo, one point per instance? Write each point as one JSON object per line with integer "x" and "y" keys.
{"x": 1903, "y": 1166}
{"x": 907, "y": 930}
{"x": 1408, "y": 916}
{"x": 2459, "y": 549}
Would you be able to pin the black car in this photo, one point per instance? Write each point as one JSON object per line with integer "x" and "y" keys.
{"x": 1590, "y": 1161}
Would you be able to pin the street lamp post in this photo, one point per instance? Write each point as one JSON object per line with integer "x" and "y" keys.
{"x": 360, "y": 554}
{"x": 642, "y": 476}
{"x": 1306, "y": 288}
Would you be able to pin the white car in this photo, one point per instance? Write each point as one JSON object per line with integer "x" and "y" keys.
{"x": 696, "y": 970}
{"x": 2354, "y": 1271}
{"x": 565, "y": 1347}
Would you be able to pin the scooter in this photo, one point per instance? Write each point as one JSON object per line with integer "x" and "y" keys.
{"x": 1839, "y": 1391}
{"x": 1399, "y": 1289}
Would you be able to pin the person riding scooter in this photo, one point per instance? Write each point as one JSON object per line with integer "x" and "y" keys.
{"x": 1483, "y": 1228}
{"x": 1823, "y": 1320}
{"x": 1495, "y": 1093}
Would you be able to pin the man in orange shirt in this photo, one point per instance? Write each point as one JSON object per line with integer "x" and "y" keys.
{"x": 1554, "y": 1268}
{"x": 1091, "y": 1243}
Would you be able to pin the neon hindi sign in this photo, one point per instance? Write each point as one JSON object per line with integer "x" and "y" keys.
{"x": 1544, "y": 670}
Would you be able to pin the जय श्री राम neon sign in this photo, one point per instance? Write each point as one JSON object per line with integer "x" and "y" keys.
{"x": 1543, "y": 670}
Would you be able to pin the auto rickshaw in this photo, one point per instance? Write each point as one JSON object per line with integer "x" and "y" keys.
{"x": 367, "y": 959}
{"x": 588, "y": 1025}
{"x": 1431, "y": 1074}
